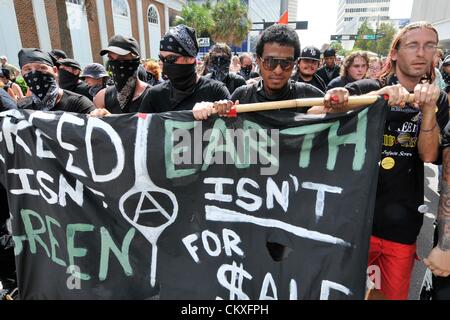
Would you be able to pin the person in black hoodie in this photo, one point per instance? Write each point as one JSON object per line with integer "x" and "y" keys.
{"x": 219, "y": 67}
{"x": 330, "y": 70}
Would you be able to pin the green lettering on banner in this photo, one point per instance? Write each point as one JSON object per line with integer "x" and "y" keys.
{"x": 169, "y": 150}
{"x": 77, "y": 252}
{"x": 32, "y": 235}
{"x": 309, "y": 131}
{"x": 357, "y": 138}
{"x": 53, "y": 242}
{"x": 334, "y": 141}
{"x": 219, "y": 131}
{"x": 122, "y": 255}
{"x": 261, "y": 145}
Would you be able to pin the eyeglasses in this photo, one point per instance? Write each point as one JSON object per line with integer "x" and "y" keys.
{"x": 414, "y": 47}
{"x": 271, "y": 63}
{"x": 171, "y": 59}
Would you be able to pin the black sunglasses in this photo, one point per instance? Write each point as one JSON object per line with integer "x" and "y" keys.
{"x": 169, "y": 59}
{"x": 271, "y": 63}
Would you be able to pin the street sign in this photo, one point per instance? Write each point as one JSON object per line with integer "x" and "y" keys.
{"x": 203, "y": 42}
{"x": 345, "y": 37}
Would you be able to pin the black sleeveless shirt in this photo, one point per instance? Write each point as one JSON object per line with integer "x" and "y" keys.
{"x": 112, "y": 104}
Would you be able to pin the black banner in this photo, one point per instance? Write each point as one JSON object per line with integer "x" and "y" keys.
{"x": 263, "y": 206}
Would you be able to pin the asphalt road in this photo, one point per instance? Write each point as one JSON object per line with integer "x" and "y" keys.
{"x": 425, "y": 239}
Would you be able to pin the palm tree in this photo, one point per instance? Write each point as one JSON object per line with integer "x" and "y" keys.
{"x": 196, "y": 16}
{"x": 231, "y": 22}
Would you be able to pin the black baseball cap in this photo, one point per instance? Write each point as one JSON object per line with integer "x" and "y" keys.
{"x": 122, "y": 45}
{"x": 330, "y": 52}
{"x": 70, "y": 63}
{"x": 311, "y": 53}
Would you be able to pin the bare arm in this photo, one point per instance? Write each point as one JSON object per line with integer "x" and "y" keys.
{"x": 439, "y": 258}
{"x": 426, "y": 96}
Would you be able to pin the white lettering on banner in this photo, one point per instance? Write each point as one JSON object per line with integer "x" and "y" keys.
{"x": 40, "y": 152}
{"x": 69, "y": 118}
{"x": 281, "y": 196}
{"x": 293, "y": 290}
{"x": 230, "y": 244}
{"x": 320, "y": 198}
{"x": 235, "y": 281}
{"x": 53, "y": 197}
{"x": 242, "y": 193}
{"x": 218, "y": 194}
{"x": 268, "y": 282}
{"x": 12, "y": 126}
{"x": 118, "y": 147}
{"x": 328, "y": 285}
{"x": 76, "y": 194}
{"x": 23, "y": 176}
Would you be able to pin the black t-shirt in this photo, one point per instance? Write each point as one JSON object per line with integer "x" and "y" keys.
{"x": 322, "y": 72}
{"x": 400, "y": 188}
{"x": 159, "y": 97}
{"x": 253, "y": 93}
{"x": 70, "y": 102}
{"x": 232, "y": 81}
{"x": 316, "y": 81}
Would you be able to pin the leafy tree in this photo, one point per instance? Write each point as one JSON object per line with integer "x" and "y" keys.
{"x": 336, "y": 45}
{"x": 383, "y": 44}
{"x": 231, "y": 22}
{"x": 362, "y": 44}
{"x": 196, "y": 16}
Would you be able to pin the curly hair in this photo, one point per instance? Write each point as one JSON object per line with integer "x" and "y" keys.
{"x": 281, "y": 34}
{"x": 154, "y": 68}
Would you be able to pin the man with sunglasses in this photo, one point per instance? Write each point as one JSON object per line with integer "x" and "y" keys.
{"x": 178, "y": 50}
{"x": 128, "y": 92}
{"x": 219, "y": 67}
{"x": 277, "y": 51}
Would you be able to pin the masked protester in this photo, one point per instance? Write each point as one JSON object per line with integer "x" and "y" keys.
{"x": 69, "y": 77}
{"x": 178, "y": 49}
{"x": 40, "y": 73}
{"x": 128, "y": 92}
{"x": 96, "y": 77}
{"x": 219, "y": 67}
{"x": 246, "y": 70}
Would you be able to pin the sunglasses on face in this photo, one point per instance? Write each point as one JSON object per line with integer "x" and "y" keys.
{"x": 271, "y": 63}
{"x": 219, "y": 60}
{"x": 171, "y": 59}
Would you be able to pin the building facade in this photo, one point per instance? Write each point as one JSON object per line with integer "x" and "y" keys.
{"x": 82, "y": 27}
{"x": 438, "y": 14}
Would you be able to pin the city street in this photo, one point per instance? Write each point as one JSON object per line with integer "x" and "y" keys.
{"x": 425, "y": 240}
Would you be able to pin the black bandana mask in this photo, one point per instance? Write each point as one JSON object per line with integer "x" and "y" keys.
{"x": 44, "y": 88}
{"x": 123, "y": 70}
{"x": 220, "y": 67}
{"x": 67, "y": 80}
{"x": 39, "y": 83}
{"x": 182, "y": 76}
{"x": 245, "y": 71}
{"x": 95, "y": 89}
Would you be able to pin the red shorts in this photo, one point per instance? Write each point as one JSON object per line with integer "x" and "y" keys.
{"x": 396, "y": 262}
